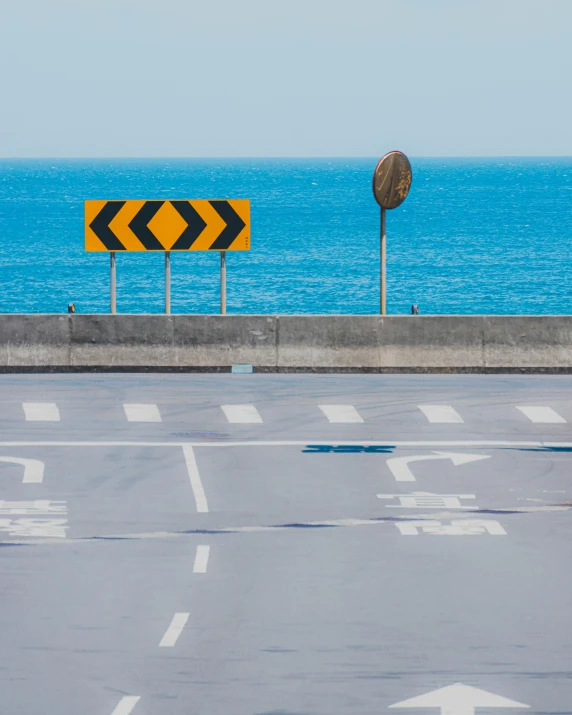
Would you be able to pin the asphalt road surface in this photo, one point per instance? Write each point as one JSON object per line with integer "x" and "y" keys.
{"x": 285, "y": 544}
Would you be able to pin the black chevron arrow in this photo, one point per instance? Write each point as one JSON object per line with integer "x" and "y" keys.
{"x": 234, "y": 225}
{"x": 196, "y": 225}
{"x": 140, "y": 228}
{"x": 100, "y": 225}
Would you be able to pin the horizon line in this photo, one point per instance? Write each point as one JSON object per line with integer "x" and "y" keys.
{"x": 373, "y": 157}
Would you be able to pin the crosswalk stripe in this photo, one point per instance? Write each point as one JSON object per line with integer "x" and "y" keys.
{"x": 444, "y": 414}
{"x": 41, "y": 411}
{"x": 341, "y": 413}
{"x": 242, "y": 414}
{"x": 142, "y": 413}
{"x": 541, "y": 415}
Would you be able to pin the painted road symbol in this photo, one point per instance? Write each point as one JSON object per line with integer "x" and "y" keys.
{"x": 428, "y": 500}
{"x": 167, "y": 225}
{"x": 400, "y": 469}
{"x": 457, "y": 527}
{"x": 33, "y": 469}
{"x": 459, "y": 699}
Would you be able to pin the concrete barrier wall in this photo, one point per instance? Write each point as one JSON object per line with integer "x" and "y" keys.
{"x": 286, "y": 342}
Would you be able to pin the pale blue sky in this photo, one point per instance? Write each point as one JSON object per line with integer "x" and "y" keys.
{"x": 130, "y": 78}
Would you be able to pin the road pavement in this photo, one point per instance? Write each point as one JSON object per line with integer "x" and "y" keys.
{"x": 285, "y": 544}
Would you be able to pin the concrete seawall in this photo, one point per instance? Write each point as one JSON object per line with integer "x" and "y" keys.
{"x": 286, "y": 342}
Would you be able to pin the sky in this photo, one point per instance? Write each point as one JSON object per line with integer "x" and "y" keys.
{"x": 262, "y": 78}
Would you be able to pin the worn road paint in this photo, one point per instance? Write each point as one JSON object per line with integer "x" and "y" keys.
{"x": 201, "y": 559}
{"x": 41, "y": 411}
{"x": 399, "y": 466}
{"x": 195, "y": 479}
{"x": 174, "y": 630}
{"x": 457, "y": 527}
{"x": 392, "y": 443}
{"x": 242, "y": 414}
{"x": 442, "y": 414}
{"x": 33, "y": 469}
{"x": 542, "y": 415}
{"x": 126, "y": 705}
{"x": 142, "y": 413}
{"x": 341, "y": 414}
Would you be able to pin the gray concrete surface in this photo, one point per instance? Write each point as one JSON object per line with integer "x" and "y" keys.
{"x": 303, "y": 342}
{"x": 313, "y": 601}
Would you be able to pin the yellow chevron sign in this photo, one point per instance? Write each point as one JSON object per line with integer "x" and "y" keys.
{"x": 201, "y": 225}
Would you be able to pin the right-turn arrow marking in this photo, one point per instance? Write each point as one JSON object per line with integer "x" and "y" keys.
{"x": 399, "y": 466}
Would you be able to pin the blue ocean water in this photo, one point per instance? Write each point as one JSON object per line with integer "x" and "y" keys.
{"x": 474, "y": 236}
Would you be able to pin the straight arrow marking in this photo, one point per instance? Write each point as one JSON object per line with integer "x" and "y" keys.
{"x": 400, "y": 469}
{"x": 459, "y": 699}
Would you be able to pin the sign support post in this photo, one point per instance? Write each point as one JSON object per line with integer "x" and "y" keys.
{"x": 167, "y": 282}
{"x": 168, "y": 226}
{"x": 113, "y": 284}
{"x": 391, "y": 182}
{"x": 382, "y": 297}
{"x": 223, "y": 282}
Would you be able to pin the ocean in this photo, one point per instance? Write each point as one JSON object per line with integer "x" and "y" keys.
{"x": 473, "y": 236}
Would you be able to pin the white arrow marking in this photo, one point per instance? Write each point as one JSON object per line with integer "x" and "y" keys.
{"x": 459, "y": 699}
{"x": 33, "y": 469}
{"x": 402, "y": 473}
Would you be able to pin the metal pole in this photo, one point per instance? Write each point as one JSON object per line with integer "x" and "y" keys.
{"x": 382, "y": 264}
{"x": 223, "y": 282}
{"x": 167, "y": 282}
{"x": 113, "y": 283}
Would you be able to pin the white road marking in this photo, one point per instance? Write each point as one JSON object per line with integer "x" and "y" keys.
{"x": 442, "y": 414}
{"x": 195, "y": 479}
{"x": 400, "y": 469}
{"x": 201, "y": 559}
{"x": 33, "y": 469}
{"x": 459, "y": 699}
{"x": 457, "y": 527}
{"x": 242, "y": 414}
{"x": 428, "y": 500}
{"x": 341, "y": 413}
{"x": 142, "y": 413}
{"x": 174, "y": 630}
{"x": 492, "y": 443}
{"x": 41, "y": 411}
{"x": 542, "y": 415}
{"x": 126, "y": 705}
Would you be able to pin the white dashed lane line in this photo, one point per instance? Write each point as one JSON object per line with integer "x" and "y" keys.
{"x": 442, "y": 414}
{"x": 142, "y": 413}
{"x": 201, "y": 559}
{"x": 341, "y": 413}
{"x": 41, "y": 411}
{"x": 542, "y": 415}
{"x": 126, "y": 705}
{"x": 242, "y": 414}
{"x": 195, "y": 479}
{"x": 174, "y": 630}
